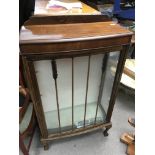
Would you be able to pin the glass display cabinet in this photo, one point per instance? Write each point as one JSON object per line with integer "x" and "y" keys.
{"x": 73, "y": 72}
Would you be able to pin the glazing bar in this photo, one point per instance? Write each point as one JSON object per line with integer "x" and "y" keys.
{"x": 55, "y": 75}
{"x": 72, "y": 92}
{"x": 86, "y": 90}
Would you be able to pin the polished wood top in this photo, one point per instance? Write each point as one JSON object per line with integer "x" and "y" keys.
{"x": 71, "y": 32}
{"x": 41, "y": 10}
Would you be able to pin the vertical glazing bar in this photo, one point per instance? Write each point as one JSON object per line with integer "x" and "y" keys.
{"x": 55, "y": 75}
{"x": 104, "y": 65}
{"x": 72, "y": 92}
{"x": 86, "y": 90}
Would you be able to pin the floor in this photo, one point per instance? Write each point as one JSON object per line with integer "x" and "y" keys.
{"x": 95, "y": 143}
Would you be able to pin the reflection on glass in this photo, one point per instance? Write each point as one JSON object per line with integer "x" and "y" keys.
{"x": 112, "y": 61}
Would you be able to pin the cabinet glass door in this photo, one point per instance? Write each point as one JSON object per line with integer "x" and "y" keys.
{"x": 75, "y": 91}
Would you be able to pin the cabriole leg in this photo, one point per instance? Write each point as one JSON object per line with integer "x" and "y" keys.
{"x": 105, "y": 132}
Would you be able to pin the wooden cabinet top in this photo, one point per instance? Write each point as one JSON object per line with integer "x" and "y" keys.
{"x": 71, "y": 32}
{"x": 72, "y": 37}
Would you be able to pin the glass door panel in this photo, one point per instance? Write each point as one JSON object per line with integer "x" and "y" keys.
{"x": 110, "y": 70}
{"x": 79, "y": 95}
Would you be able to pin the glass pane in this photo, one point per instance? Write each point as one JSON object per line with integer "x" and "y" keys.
{"x": 110, "y": 71}
{"x": 64, "y": 86}
{"x": 94, "y": 85}
{"x": 48, "y": 94}
{"x": 80, "y": 79}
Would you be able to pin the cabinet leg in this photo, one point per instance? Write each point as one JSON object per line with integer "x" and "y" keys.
{"x": 105, "y": 132}
{"x": 46, "y": 146}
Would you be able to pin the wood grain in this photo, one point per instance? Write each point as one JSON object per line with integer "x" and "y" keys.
{"x": 71, "y": 32}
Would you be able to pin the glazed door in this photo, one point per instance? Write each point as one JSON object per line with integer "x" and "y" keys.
{"x": 75, "y": 91}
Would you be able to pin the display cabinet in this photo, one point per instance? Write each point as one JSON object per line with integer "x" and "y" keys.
{"x": 73, "y": 72}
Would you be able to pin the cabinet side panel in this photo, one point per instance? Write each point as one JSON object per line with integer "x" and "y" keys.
{"x": 109, "y": 78}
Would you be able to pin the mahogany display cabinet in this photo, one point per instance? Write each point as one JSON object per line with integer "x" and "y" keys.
{"x": 73, "y": 71}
